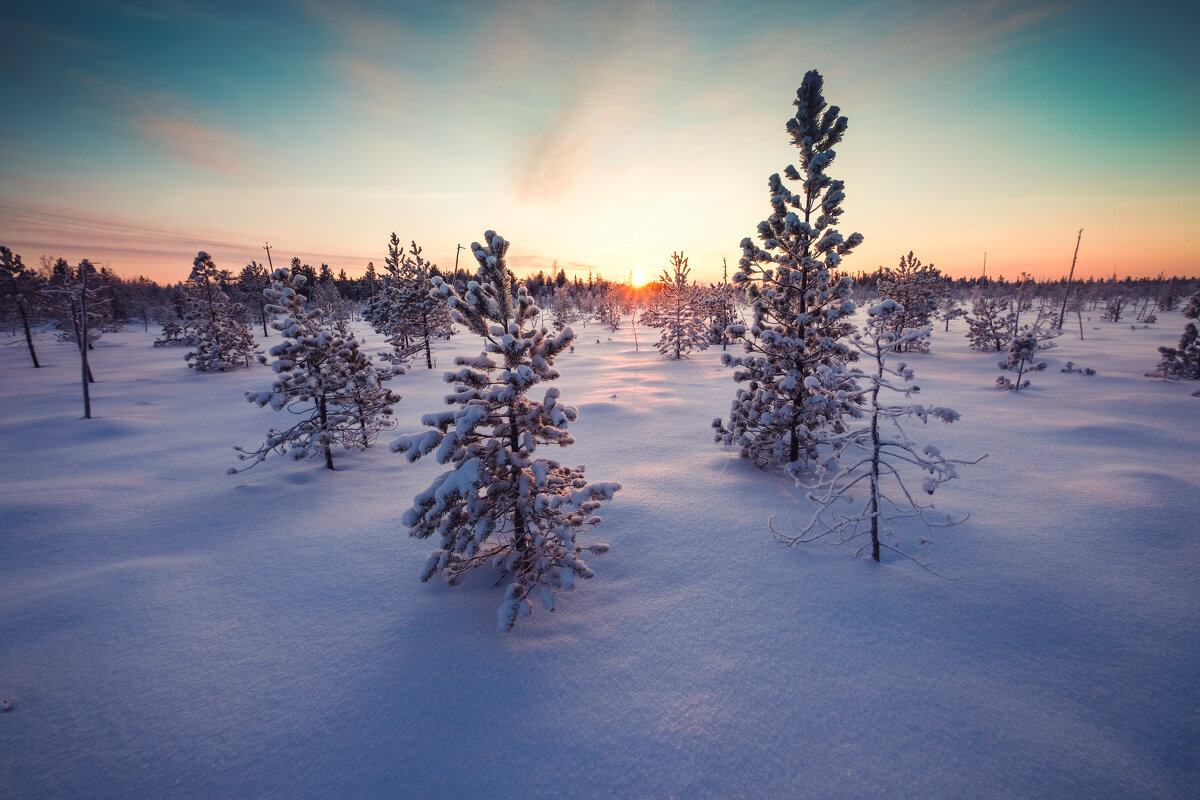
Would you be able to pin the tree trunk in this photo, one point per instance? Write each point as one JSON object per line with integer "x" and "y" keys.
{"x": 426, "y": 331}
{"x": 86, "y": 372}
{"x": 875, "y": 462}
{"x": 322, "y": 410}
{"x": 28, "y": 333}
{"x": 520, "y": 534}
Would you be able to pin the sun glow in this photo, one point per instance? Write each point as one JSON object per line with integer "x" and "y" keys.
{"x": 637, "y": 278}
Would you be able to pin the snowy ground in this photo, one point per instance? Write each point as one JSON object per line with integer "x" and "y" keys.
{"x": 167, "y": 630}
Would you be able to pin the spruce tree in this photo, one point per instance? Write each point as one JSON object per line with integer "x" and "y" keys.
{"x": 499, "y": 504}
{"x": 796, "y": 354}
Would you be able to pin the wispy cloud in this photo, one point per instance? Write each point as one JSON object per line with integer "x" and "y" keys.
{"x": 196, "y": 143}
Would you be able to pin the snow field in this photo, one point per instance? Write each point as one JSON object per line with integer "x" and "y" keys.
{"x": 169, "y": 630}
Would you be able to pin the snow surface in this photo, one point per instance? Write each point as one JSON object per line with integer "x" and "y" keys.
{"x": 167, "y": 630}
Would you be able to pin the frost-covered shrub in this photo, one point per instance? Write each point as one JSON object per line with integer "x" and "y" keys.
{"x": 876, "y": 463}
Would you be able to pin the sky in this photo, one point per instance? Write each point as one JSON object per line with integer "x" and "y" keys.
{"x": 601, "y": 136}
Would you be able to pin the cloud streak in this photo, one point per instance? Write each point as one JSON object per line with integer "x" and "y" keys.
{"x": 196, "y": 143}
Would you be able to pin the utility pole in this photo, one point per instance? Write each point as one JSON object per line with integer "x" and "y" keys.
{"x": 267, "y": 247}
{"x": 456, "y": 252}
{"x": 1063, "y": 311}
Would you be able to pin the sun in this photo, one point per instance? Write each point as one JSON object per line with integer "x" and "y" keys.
{"x": 637, "y": 278}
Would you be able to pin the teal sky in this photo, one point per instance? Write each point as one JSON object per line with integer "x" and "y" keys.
{"x": 602, "y": 136}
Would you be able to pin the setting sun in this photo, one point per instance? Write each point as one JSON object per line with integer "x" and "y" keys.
{"x": 637, "y": 278}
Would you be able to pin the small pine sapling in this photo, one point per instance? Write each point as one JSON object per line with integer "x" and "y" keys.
{"x": 918, "y": 289}
{"x": 321, "y": 376}
{"x": 1071, "y": 368}
{"x": 990, "y": 324}
{"x": 215, "y": 332}
{"x": 1182, "y": 362}
{"x": 677, "y": 312}
{"x": 1022, "y": 358}
{"x": 877, "y": 456}
{"x": 499, "y": 505}
{"x": 172, "y": 333}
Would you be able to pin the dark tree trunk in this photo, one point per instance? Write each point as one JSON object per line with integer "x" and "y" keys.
{"x": 28, "y": 333}
{"x": 322, "y": 409}
{"x": 85, "y": 370}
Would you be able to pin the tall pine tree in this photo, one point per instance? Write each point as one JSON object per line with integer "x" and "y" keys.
{"x": 795, "y": 349}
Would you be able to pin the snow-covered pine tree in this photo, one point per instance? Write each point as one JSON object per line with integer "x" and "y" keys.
{"x": 1184, "y": 361}
{"x": 23, "y": 290}
{"x": 1192, "y": 309}
{"x": 322, "y": 377}
{"x": 73, "y": 289}
{"x": 172, "y": 332}
{"x": 215, "y": 332}
{"x": 363, "y": 398}
{"x": 564, "y": 312}
{"x": 608, "y": 311}
{"x": 918, "y": 289}
{"x": 327, "y": 298}
{"x": 796, "y": 355}
{"x": 1022, "y": 358}
{"x": 878, "y": 455}
{"x": 499, "y": 504}
{"x": 429, "y": 314}
{"x": 252, "y": 280}
{"x": 381, "y": 310}
{"x": 678, "y": 311}
{"x": 404, "y": 311}
{"x": 949, "y": 311}
{"x": 720, "y": 301}
{"x": 990, "y": 327}
{"x": 1114, "y": 308}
